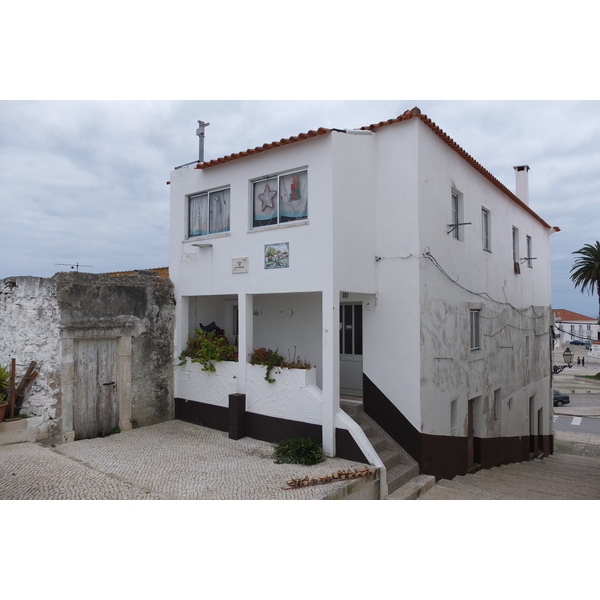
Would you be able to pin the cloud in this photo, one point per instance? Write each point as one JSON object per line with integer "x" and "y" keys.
{"x": 86, "y": 180}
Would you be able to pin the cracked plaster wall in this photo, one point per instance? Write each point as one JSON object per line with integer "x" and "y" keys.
{"x": 30, "y": 331}
{"x": 39, "y": 316}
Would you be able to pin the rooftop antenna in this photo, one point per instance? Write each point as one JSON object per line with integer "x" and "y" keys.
{"x": 75, "y": 266}
{"x": 200, "y": 134}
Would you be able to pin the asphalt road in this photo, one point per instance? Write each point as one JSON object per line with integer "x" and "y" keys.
{"x": 575, "y": 424}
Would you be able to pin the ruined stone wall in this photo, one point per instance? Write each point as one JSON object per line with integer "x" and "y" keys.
{"x": 141, "y": 306}
{"x": 30, "y": 331}
{"x": 40, "y": 318}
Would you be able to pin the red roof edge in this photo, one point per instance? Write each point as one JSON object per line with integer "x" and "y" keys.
{"x": 284, "y": 141}
{"x": 416, "y": 112}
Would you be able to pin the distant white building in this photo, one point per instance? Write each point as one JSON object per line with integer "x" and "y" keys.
{"x": 394, "y": 262}
{"x": 574, "y": 328}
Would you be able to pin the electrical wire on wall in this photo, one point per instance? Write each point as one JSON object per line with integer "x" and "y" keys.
{"x": 522, "y": 312}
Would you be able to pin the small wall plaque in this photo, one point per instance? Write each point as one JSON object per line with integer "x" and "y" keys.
{"x": 239, "y": 265}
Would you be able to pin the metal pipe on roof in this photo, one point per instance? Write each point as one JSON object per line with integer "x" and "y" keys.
{"x": 200, "y": 134}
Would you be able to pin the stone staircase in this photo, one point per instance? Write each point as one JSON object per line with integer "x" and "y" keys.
{"x": 557, "y": 477}
{"x": 401, "y": 468}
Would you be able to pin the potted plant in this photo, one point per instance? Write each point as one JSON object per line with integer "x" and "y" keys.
{"x": 4, "y": 389}
{"x": 207, "y": 347}
{"x": 272, "y": 359}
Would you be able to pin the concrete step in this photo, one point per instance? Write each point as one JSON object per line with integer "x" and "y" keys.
{"x": 557, "y": 477}
{"x": 391, "y": 457}
{"x": 475, "y": 490}
{"x": 400, "y": 466}
{"x": 535, "y": 480}
{"x": 399, "y": 475}
{"x": 414, "y": 488}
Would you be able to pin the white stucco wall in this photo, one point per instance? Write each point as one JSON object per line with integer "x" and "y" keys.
{"x": 378, "y": 203}
{"x": 513, "y": 364}
{"x": 29, "y": 331}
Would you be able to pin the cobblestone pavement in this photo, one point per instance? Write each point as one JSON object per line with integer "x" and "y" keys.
{"x": 171, "y": 461}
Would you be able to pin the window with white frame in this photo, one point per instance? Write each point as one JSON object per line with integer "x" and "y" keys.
{"x": 515, "y": 244}
{"x": 280, "y": 199}
{"x": 208, "y": 212}
{"x": 475, "y": 316}
{"x": 457, "y": 214}
{"x": 529, "y": 252}
{"x": 485, "y": 229}
{"x": 498, "y": 404}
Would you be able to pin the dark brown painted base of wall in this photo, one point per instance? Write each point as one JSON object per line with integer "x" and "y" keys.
{"x": 447, "y": 456}
{"x": 266, "y": 429}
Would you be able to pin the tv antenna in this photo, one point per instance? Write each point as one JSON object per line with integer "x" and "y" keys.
{"x": 75, "y": 266}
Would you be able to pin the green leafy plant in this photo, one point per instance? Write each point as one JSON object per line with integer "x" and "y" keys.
{"x": 207, "y": 347}
{"x": 299, "y": 451}
{"x": 295, "y": 362}
{"x": 4, "y": 383}
{"x": 268, "y": 358}
{"x": 272, "y": 359}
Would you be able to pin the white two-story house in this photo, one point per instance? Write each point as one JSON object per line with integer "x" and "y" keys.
{"x": 392, "y": 261}
{"x": 572, "y": 327}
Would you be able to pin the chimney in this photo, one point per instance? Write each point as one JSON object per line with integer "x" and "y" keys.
{"x": 200, "y": 134}
{"x": 522, "y": 178}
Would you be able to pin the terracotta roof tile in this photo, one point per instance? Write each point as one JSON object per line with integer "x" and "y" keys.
{"x": 416, "y": 112}
{"x": 407, "y": 115}
{"x": 283, "y": 142}
{"x": 569, "y": 315}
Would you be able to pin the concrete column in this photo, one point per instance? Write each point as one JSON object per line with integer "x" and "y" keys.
{"x": 67, "y": 396}
{"x": 182, "y": 324}
{"x": 124, "y": 388}
{"x": 245, "y": 337}
{"x": 331, "y": 369}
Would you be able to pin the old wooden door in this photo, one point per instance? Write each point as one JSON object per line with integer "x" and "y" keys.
{"x": 95, "y": 401}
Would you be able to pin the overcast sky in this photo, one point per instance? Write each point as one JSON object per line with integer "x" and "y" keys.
{"x": 85, "y": 181}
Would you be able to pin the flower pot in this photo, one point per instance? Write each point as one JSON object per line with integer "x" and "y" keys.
{"x": 3, "y": 409}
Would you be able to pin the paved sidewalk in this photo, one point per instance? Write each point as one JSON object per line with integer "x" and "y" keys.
{"x": 169, "y": 461}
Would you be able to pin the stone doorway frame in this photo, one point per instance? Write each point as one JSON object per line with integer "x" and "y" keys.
{"x": 124, "y": 387}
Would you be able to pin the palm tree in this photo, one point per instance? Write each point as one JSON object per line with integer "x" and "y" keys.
{"x": 585, "y": 273}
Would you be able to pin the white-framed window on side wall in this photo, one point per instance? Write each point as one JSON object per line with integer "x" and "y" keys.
{"x": 515, "y": 244}
{"x": 280, "y": 198}
{"x": 208, "y": 212}
{"x": 475, "y": 328}
{"x": 529, "y": 252}
{"x": 455, "y": 227}
{"x": 515, "y": 250}
{"x": 486, "y": 240}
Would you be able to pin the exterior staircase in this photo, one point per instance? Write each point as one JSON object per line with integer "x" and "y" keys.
{"x": 400, "y": 467}
{"x": 557, "y": 477}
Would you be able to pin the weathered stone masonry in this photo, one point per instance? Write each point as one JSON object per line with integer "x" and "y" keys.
{"x": 42, "y": 319}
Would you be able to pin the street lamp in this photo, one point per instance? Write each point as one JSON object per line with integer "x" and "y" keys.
{"x": 568, "y": 357}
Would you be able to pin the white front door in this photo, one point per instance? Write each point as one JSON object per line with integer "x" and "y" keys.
{"x": 351, "y": 349}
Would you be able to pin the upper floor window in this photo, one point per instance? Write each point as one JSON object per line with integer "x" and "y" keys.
{"x": 515, "y": 244}
{"x": 280, "y": 199}
{"x": 457, "y": 214}
{"x": 485, "y": 229}
{"x": 209, "y": 212}
{"x": 529, "y": 252}
{"x": 475, "y": 329}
